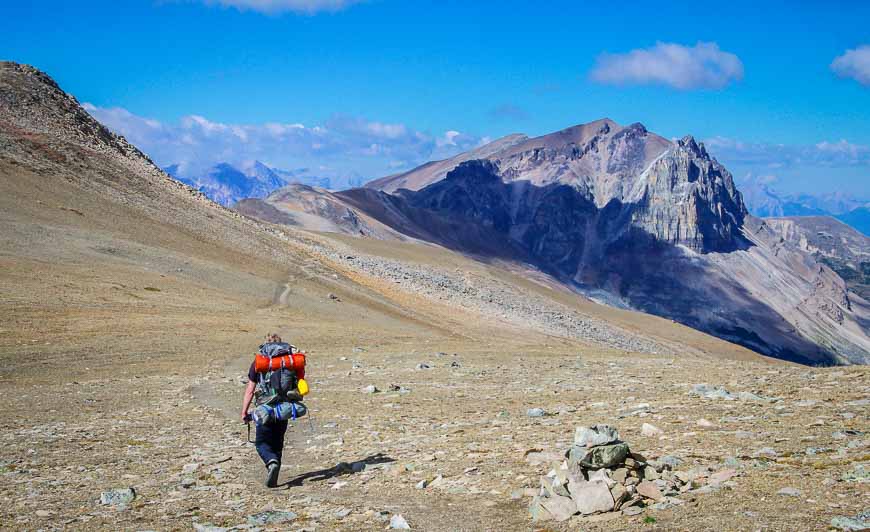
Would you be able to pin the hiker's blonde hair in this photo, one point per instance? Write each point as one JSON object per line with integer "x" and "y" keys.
{"x": 272, "y": 337}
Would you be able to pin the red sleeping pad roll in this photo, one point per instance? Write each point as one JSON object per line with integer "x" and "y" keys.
{"x": 296, "y": 362}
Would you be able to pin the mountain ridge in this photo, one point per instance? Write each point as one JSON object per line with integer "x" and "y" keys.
{"x": 656, "y": 225}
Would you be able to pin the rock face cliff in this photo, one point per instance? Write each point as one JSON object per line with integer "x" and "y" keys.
{"x": 689, "y": 199}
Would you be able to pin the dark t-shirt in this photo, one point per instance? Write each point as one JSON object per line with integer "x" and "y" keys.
{"x": 252, "y": 375}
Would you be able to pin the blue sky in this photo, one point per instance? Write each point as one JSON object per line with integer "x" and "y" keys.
{"x": 378, "y": 86}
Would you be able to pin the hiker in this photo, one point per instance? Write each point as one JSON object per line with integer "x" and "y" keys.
{"x": 276, "y": 384}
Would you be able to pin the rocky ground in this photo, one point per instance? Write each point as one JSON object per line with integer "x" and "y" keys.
{"x": 462, "y": 426}
{"x": 465, "y": 421}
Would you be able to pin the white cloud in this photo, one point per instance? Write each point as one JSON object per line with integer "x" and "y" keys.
{"x": 854, "y": 64}
{"x": 703, "y": 66}
{"x": 448, "y": 139}
{"x": 281, "y": 6}
{"x": 841, "y": 153}
{"x": 344, "y": 144}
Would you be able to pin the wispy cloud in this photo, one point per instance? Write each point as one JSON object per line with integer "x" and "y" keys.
{"x": 343, "y": 144}
{"x": 854, "y": 64}
{"x": 703, "y": 66}
{"x": 272, "y": 7}
{"x": 840, "y": 153}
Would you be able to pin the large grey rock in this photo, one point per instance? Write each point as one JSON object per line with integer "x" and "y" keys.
{"x": 595, "y": 435}
{"x": 649, "y": 490}
{"x": 560, "y": 508}
{"x": 789, "y": 492}
{"x": 591, "y": 497}
{"x": 537, "y": 510}
{"x": 859, "y": 473}
{"x": 271, "y": 517}
{"x": 398, "y": 522}
{"x": 119, "y": 497}
{"x": 667, "y": 462}
{"x": 553, "y": 487}
{"x": 206, "y": 527}
{"x": 852, "y": 524}
{"x": 650, "y": 431}
{"x": 597, "y": 457}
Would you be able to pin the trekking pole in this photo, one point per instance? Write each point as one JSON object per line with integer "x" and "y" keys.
{"x": 248, "y": 424}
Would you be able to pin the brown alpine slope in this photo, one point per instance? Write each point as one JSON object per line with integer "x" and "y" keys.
{"x": 131, "y": 305}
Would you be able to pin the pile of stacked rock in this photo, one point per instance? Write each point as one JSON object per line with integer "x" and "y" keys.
{"x": 601, "y": 474}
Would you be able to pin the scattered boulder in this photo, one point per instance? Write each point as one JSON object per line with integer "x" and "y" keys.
{"x": 859, "y": 473}
{"x": 591, "y": 497}
{"x": 714, "y": 392}
{"x": 118, "y": 498}
{"x": 371, "y": 388}
{"x": 398, "y": 522}
{"x": 765, "y": 452}
{"x": 789, "y": 492}
{"x": 651, "y": 431}
{"x": 632, "y": 510}
{"x": 559, "y": 508}
{"x": 206, "y": 527}
{"x": 535, "y": 412}
{"x": 667, "y": 462}
{"x": 649, "y": 490}
{"x": 722, "y": 476}
{"x": 271, "y": 517}
{"x": 595, "y": 435}
{"x": 598, "y": 457}
{"x": 852, "y": 524}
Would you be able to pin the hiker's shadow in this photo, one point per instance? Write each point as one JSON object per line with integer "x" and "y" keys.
{"x": 340, "y": 469}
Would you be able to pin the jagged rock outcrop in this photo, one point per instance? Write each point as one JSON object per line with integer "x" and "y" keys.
{"x": 689, "y": 199}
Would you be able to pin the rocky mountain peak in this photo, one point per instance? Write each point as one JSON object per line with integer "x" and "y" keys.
{"x": 696, "y": 148}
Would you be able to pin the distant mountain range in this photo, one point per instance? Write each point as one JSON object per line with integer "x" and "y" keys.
{"x": 762, "y": 200}
{"x": 226, "y": 183}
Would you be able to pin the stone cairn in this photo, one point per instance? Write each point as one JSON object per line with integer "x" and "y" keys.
{"x": 601, "y": 474}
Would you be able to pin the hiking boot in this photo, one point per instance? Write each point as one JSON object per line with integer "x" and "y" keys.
{"x": 272, "y": 475}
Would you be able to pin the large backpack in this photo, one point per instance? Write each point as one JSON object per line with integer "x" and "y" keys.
{"x": 280, "y": 384}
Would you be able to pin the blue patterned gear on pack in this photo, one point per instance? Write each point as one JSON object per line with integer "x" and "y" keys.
{"x": 266, "y": 414}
